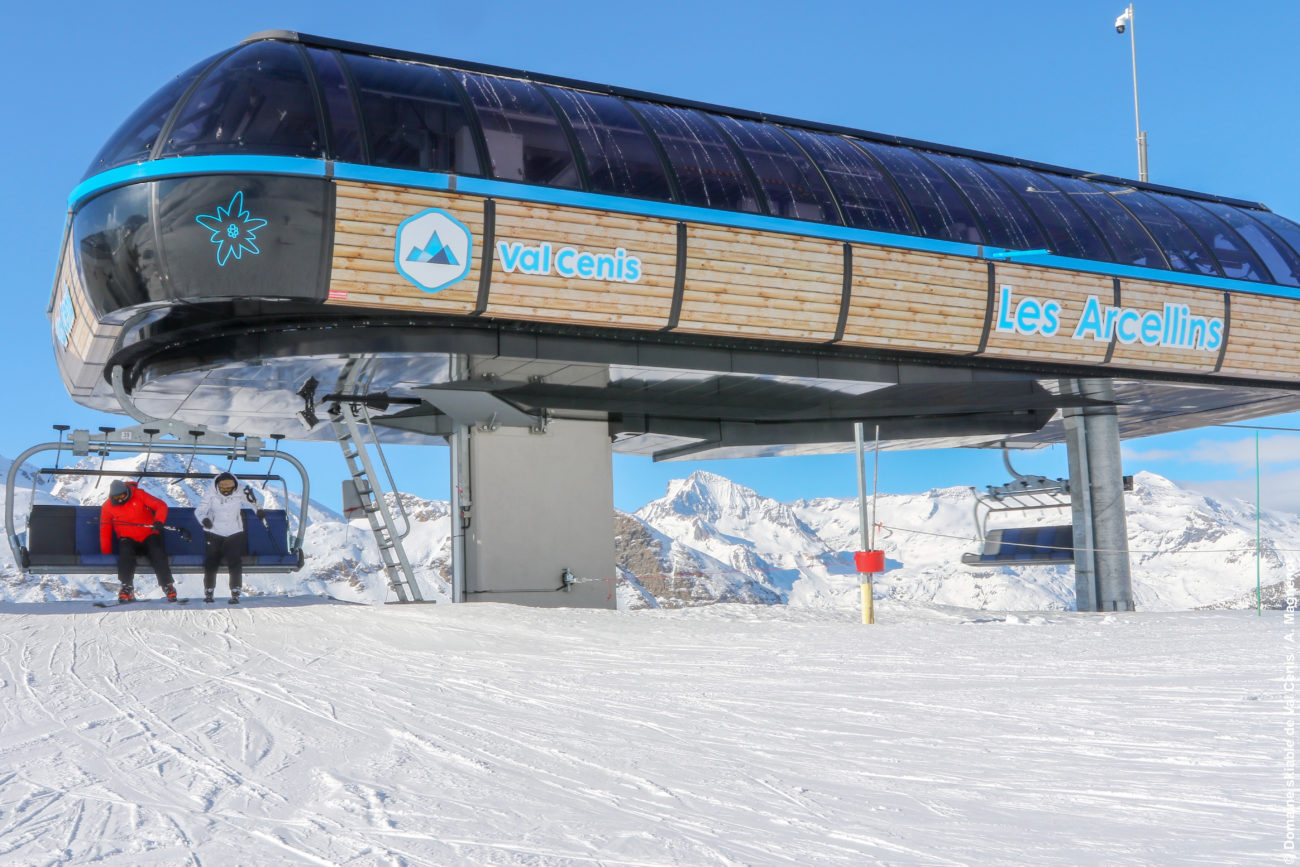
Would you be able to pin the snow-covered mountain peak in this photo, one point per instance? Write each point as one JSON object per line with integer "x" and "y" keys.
{"x": 705, "y": 494}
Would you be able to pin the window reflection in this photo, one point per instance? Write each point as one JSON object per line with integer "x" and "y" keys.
{"x": 708, "y": 173}
{"x": 1183, "y": 249}
{"x": 524, "y": 138}
{"x": 135, "y": 138}
{"x": 621, "y": 160}
{"x": 940, "y": 210}
{"x": 257, "y": 100}
{"x": 413, "y": 117}
{"x": 788, "y": 178}
{"x": 867, "y": 198}
{"x": 1007, "y": 220}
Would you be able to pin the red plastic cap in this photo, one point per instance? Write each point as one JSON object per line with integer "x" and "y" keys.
{"x": 869, "y": 562}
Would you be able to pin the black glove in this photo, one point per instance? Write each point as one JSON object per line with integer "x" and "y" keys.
{"x": 157, "y": 526}
{"x": 207, "y": 523}
{"x": 261, "y": 514}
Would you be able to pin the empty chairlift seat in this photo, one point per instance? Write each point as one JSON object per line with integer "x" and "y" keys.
{"x": 65, "y": 539}
{"x": 1025, "y": 546}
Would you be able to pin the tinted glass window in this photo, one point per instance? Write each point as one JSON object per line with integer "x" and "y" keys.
{"x": 1128, "y": 239}
{"x": 1068, "y": 231}
{"x": 1007, "y": 220}
{"x": 257, "y": 100}
{"x": 867, "y": 198}
{"x": 524, "y": 138}
{"x": 134, "y": 139}
{"x": 788, "y": 178}
{"x": 116, "y": 248}
{"x": 1235, "y": 258}
{"x": 1286, "y": 230}
{"x": 345, "y": 132}
{"x": 708, "y": 173}
{"x": 413, "y": 117}
{"x": 940, "y": 210}
{"x": 1282, "y": 262}
{"x": 1184, "y": 250}
{"x": 621, "y": 160}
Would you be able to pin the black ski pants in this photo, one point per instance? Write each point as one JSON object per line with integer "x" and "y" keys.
{"x": 128, "y": 551}
{"x": 228, "y": 550}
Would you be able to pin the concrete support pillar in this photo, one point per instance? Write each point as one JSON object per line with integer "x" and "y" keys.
{"x": 1101, "y": 562}
{"x": 538, "y": 504}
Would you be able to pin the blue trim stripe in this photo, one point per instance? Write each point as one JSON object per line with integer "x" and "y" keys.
{"x": 639, "y": 207}
{"x": 215, "y": 165}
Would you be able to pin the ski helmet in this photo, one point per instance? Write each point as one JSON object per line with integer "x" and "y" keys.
{"x": 119, "y": 492}
{"x": 226, "y": 483}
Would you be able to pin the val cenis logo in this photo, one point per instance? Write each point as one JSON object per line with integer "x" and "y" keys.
{"x": 433, "y": 250}
{"x": 233, "y": 229}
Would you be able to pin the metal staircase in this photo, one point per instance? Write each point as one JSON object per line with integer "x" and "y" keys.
{"x": 344, "y": 418}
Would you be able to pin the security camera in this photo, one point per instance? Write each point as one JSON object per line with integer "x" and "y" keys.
{"x": 1119, "y": 26}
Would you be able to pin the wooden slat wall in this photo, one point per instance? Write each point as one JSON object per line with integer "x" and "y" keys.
{"x": 552, "y": 298}
{"x": 1263, "y": 338}
{"x": 780, "y": 287}
{"x": 366, "y": 220}
{"x": 88, "y": 337}
{"x": 1143, "y": 295}
{"x": 1071, "y": 289}
{"x": 760, "y": 284}
{"x": 904, "y": 299}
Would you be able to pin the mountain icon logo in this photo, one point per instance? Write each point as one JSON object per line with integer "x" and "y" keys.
{"x": 433, "y": 249}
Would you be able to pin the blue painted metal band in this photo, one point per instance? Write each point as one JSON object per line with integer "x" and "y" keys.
{"x": 172, "y": 167}
{"x": 639, "y": 207}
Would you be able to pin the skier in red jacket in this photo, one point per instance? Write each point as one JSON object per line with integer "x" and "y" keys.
{"x": 136, "y": 518}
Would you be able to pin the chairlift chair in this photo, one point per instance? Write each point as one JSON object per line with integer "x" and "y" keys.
{"x": 1050, "y": 544}
{"x": 64, "y": 539}
{"x": 1046, "y": 544}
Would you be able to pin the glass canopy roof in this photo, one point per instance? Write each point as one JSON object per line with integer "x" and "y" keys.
{"x": 286, "y": 94}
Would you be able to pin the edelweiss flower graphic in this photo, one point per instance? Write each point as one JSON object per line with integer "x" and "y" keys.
{"x": 233, "y": 230}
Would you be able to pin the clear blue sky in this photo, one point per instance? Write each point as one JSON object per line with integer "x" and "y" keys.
{"x": 1044, "y": 81}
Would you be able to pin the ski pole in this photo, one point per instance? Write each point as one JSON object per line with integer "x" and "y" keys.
{"x": 184, "y": 533}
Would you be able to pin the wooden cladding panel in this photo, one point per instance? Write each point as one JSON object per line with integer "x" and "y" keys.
{"x": 88, "y": 338}
{"x": 760, "y": 284}
{"x": 553, "y": 298}
{"x": 905, "y": 299}
{"x": 1071, "y": 290}
{"x": 365, "y": 229}
{"x": 1147, "y": 296}
{"x": 1263, "y": 338}
{"x": 742, "y": 282}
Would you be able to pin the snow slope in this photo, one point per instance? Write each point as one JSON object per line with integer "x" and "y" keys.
{"x": 300, "y": 731}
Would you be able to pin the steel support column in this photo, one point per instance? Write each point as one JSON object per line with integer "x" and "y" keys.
{"x": 1101, "y": 562}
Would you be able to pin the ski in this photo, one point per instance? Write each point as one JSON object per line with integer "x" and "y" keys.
{"x": 179, "y": 601}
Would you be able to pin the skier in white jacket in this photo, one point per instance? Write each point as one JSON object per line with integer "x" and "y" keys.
{"x": 219, "y": 513}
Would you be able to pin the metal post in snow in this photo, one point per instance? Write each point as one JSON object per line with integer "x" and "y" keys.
{"x": 862, "y": 486}
{"x": 875, "y": 486}
{"x": 864, "y": 524}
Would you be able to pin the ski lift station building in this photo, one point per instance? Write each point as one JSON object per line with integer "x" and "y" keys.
{"x": 300, "y": 232}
